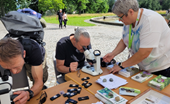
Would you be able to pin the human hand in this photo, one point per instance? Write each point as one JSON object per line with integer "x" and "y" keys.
{"x": 115, "y": 69}
{"x": 22, "y": 97}
{"x": 73, "y": 66}
{"x": 108, "y": 57}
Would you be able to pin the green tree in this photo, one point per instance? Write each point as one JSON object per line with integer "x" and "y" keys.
{"x": 97, "y": 6}
{"x": 6, "y": 6}
{"x": 93, "y": 6}
{"x": 23, "y": 3}
{"x": 12, "y": 5}
{"x": 70, "y": 6}
{"x": 51, "y": 5}
{"x": 103, "y": 8}
{"x": 150, "y": 4}
{"x": 165, "y": 4}
{"x": 34, "y": 5}
{"x": 110, "y": 2}
{"x": 81, "y": 5}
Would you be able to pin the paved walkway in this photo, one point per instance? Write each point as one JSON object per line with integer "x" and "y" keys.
{"x": 103, "y": 38}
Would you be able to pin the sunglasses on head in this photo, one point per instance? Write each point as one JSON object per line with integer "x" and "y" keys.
{"x": 42, "y": 98}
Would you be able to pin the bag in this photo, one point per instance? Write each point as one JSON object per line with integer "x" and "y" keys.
{"x": 30, "y": 11}
{"x": 20, "y": 25}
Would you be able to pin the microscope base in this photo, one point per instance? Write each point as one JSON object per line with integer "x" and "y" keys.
{"x": 92, "y": 71}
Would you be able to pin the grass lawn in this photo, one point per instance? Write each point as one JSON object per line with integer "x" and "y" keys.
{"x": 75, "y": 19}
{"x": 78, "y": 20}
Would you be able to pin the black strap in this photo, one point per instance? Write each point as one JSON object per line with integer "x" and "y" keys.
{"x": 27, "y": 46}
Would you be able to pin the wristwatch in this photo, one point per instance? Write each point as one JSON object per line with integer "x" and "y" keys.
{"x": 31, "y": 94}
{"x": 120, "y": 65}
{"x": 69, "y": 69}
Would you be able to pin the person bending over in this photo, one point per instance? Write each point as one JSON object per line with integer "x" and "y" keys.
{"x": 15, "y": 58}
{"x": 146, "y": 35}
{"x": 69, "y": 51}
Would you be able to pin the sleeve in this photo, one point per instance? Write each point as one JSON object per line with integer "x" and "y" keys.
{"x": 151, "y": 32}
{"x": 60, "y": 51}
{"x": 36, "y": 58}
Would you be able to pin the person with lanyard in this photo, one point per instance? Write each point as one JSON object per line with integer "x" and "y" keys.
{"x": 146, "y": 35}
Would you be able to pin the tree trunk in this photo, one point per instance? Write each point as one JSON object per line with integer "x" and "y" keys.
{"x": 2, "y": 12}
{"x": 79, "y": 6}
{"x": 79, "y": 11}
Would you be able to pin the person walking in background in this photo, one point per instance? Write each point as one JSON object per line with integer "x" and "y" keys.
{"x": 65, "y": 19}
{"x": 60, "y": 14}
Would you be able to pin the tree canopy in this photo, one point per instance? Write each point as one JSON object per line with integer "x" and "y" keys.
{"x": 165, "y": 4}
{"x": 78, "y": 6}
{"x": 150, "y": 4}
{"x": 51, "y": 5}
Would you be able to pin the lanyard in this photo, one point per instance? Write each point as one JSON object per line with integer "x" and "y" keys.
{"x": 130, "y": 30}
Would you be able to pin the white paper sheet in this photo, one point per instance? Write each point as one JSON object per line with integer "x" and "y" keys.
{"x": 117, "y": 81}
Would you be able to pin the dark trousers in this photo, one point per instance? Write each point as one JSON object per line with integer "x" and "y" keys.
{"x": 60, "y": 23}
{"x": 65, "y": 22}
{"x": 165, "y": 72}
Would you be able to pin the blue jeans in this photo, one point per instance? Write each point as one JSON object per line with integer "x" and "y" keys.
{"x": 165, "y": 72}
{"x": 60, "y": 23}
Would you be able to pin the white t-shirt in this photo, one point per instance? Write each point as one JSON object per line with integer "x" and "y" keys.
{"x": 65, "y": 16}
{"x": 151, "y": 32}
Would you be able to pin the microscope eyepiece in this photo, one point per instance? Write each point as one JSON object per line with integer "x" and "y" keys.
{"x": 7, "y": 73}
{"x": 84, "y": 48}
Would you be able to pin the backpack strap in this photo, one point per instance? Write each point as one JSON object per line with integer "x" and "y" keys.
{"x": 26, "y": 42}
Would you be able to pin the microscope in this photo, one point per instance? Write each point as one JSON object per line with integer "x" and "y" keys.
{"x": 5, "y": 87}
{"x": 92, "y": 57}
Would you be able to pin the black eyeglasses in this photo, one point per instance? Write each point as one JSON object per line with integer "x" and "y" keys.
{"x": 42, "y": 98}
{"x": 121, "y": 17}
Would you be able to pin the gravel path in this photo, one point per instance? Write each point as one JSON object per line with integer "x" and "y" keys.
{"x": 103, "y": 38}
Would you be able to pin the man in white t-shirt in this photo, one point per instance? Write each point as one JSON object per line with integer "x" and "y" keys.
{"x": 146, "y": 35}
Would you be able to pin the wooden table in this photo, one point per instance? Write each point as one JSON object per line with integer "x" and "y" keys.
{"x": 61, "y": 100}
{"x": 95, "y": 86}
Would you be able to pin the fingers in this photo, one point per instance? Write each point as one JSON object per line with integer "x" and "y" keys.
{"x": 115, "y": 69}
{"x": 107, "y": 57}
{"x": 22, "y": 101}
{"x": 73, "y": 66}
{"x": 21, "y": 98}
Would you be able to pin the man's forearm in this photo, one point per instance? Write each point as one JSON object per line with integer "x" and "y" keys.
{"x": 63, "y": 69}
{"x": 37, "y": 74}
{"x": 37, "y": 87}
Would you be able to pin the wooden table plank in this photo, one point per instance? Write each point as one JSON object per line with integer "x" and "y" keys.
{"x": 95, "y": 86}
{"x": 61, "y": 100}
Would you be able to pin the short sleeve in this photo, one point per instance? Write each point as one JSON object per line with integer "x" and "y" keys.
{"x": 36, "y": 55}
{"x": 60, "y": 51}
{"x": 151, "y": 32}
